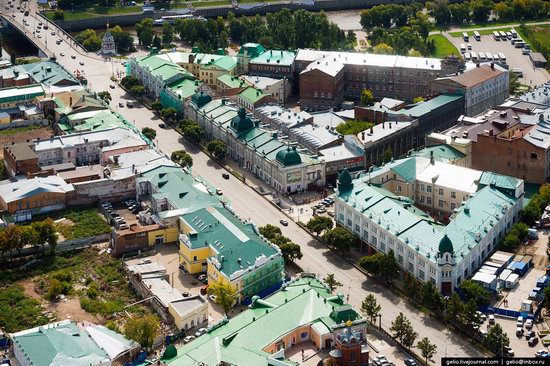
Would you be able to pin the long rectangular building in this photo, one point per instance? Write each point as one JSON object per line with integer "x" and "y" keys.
{"x": 393, "y": 208}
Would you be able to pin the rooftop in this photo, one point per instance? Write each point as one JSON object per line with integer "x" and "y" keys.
{"x": 22, "y": 151}
{"x": 476, "y": 75}
{"x": 18, "y": 93}
{"x": 111, "y": 135}
{"x": 188, "y": 303}
{"x": 241, "y": 339}
{"x": 444, "y": 153}
{"x": 232, "y": 81}
{"x": 260, "y": 82}
{"x": 68, "y": 343}
{"x": 381, "y": 131}
{"x": 164, "y": 292}
{"x": 47, "y": 73}
{"x": 26, "y": 188}
{"x": 423, "y": 108}
{"x": 252, "y": 95}
{"x": 275, "y": 57}
{"x": 326, "y": 66}
{"x": 356, "y": 58}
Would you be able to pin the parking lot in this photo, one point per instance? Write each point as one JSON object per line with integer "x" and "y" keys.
{"x": 305, "y": 212}
{"x": 514, "y": 57}
{"x": 121, "y": 215}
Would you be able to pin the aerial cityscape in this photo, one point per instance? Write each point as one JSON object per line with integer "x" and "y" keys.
{"x": 282, "y": 183}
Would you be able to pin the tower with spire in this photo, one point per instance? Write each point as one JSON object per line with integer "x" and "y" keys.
{"x": 108, "y": 46}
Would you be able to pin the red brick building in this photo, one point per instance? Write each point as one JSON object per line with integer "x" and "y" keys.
{"x": 322, "y": 85}
{"x": 20, "y": 159}
{"x": 350, "y": 348}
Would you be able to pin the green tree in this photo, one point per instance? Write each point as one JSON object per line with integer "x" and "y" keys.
{"x": 55, "y": 289}
{"x": 290, "y": 251}
{"x": 402, "y": 329}
{"x": 270, "y": 231}
{"x": 167, "y": 33}
{"x": 145, "y": 32}
{"x": 388, "y": 155}
{"x": 513, "y": 83}
{"x": 194, "y": 132}
{"x": 123, "y": 40}
{"x": 371, "y": 308}
{"x": 58, "y": 15}
{"x": 439, "y": 9}
{"x": 142, "y": 329}
{"x": 367, "y": 98}
{"x": 481, "y": 9}
{"x": 372, "y": 263}
{"x": 460, "y": 12}
{"x": 389, "y": 265}
{"x": 430, "y": 296}
{"x": 157, "y": 42}
{"x": 105, "y": 95}
{"x": 182, "y": 158}
{"x": 149, "y": 133}
{"x": 546, "y": 298}
{"x": 129, "y": 81}
{"x": 472, "y": 290}
{"x": 383, "y": 49}
{"x": 168, "y": 114}
{"x": 138, "y": 91}
{"x": 156, "y": 106}
{"x": 454, "y": 309}
{"x": 470, "y": 318}
{"x": 217, "y": 148}
{"x": 496, "y": 339}
{"x": 331, "y": 282}
{"x": 339, "y": 238}
{"x": 89, "y": 40}
{"x": 427, "y": 348}
{"x": 318, "y": 224}
{"x": 225, "y": 293}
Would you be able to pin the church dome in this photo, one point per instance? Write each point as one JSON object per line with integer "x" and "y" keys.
{"x": 446, "y": 245}
{"x": 288, "y": 156}
{"x": 241, "y": 122}
{"x": 200, "y": 99}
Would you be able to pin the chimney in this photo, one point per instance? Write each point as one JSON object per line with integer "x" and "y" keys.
{"x": 371, "y": 130}
{"x": 478, "y": 65}
{"x": 389, "y": 125}
{"x": 70, "y": 101}
{"x": 383, "y": 125}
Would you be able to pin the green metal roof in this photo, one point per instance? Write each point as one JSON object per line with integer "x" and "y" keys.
{"x": 253, "y": 49}
{"x": 289, "y": 156}
{"x": 100, "y": 121}
{"x": 49, "y": 73}
{"x": 406, "y": 169}
{"x": 21, "y": 93}
{"x": 252, "y": 95}
{"x": 499, "y": 181}
{"x": 423, "y": 108}
{"x": 237, "y": 243}
{"x": 241, "y": 122}
{"x": 232, "y": 81}
{"x": 226, "y": 63}
{"x": 241, "y": 339}
{"x": 184, "y": 88}
{"x": 275, "y": 57}
{"x": 443, "y": 152}
{"x": 65, "y": 344}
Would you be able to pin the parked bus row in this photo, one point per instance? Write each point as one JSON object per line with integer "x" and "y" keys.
{"x": 485, "y": 57}
{"x": 466, "y": 37}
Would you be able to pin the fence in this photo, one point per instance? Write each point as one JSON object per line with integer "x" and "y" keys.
{"x": 505, "y": 312}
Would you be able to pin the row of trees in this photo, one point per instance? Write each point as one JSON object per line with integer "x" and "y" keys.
{"x": 132, "y": 84}
{"x": 396, "y": 28}
{"x": 182, "y": 158}
{"x": 16, "y": 237}
{"x": 91, "y": 41}
{"x": 284, "y": 29}
{"x": 291, "y": 251}
{"x": 542, "y": 47}
{"x": 192, "y": 130}
{"x": 380, "y": 264}
{"x": 480, "y": 10}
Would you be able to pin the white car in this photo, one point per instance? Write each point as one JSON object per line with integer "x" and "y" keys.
{"x": 212, "y": 298}
{"x": 491, "y": 319}
{"x": 529, "y": 323}
{"x": 541, "y": 353}
{"x": 520, "y": 321}
{"x": 188, "y": 339}
{"x": 200, "y": 332}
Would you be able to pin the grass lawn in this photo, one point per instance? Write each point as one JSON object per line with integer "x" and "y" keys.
{"x": 443, "y": 47}
{"x": 483, "y": 32}
{"x": 498, "y": 24}
{"x": 203, "y": 4}
{"x": 539, "y": 33}
{"x": 13, "y": 131}
{"x": 19, "y": 311}
{"x": 86, "y": 222}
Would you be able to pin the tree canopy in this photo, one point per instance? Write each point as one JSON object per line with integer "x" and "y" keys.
{"x": 142, "y": 329}
{"x": 225, "y": 293}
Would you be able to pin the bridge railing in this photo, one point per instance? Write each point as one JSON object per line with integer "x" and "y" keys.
{"x": 79, "y": 47}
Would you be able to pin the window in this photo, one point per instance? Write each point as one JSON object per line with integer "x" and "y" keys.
{"x": 441, "y": 193}
{"x": 349, "y": 222}
{"x": 429, "y": 189}
{"x": 400, "y": 248}
{"x": 422, "y": 187}
{"x": 453, "y": 206}
{"x": 421, "y": 263}
{"x": 534, "y": 156}
{"x": 422, "y": 199}
{"x": 440, "y": 203}
{"x": 357, "y": 228}
{"x": 429, "y": 200}
{"x": 453, "y": 194}
{"x": 410, "y": 255}
{"x": 398, "y": 188}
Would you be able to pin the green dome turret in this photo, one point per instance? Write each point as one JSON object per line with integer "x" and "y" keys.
{"x": 445, "y": 245}
{"x": 288, "y": 156}
{"x": 344, "y": 181}
{"x": 241, "y": 122}
{"x": 200, "y": 99}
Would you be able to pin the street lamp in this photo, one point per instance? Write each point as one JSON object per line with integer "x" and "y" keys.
{"x": 380, "y": 321}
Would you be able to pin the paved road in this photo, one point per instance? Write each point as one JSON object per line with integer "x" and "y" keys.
{"x": 248, "y": 204}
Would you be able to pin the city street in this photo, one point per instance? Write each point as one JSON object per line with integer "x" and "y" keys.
{"x": 249, "y": 204}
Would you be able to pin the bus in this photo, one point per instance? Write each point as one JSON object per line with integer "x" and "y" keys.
{"x": 462, "y": 48}
{"x": 171, "y": 19}
{"x": 467, "y": 56}
{"x": 517, "y": 70}
{"x": 465, "y": 36}
{"x": 477, "y": 36}
{"x": 482, "y": 56}
{"x": 502, "y": 57}
{"x": 496, "y": 35}
{"x": 474, "y": 56}
{"x": 502, "y": 36}
{"x": 514, "y": 33}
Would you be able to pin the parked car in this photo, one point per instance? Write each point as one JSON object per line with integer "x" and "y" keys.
{"x": 200, "y": 332}
{"x": 533, "y": 341}
{"x": 411, "y": 362}
{"x": 321, "y": 210}
{"x": 225, "y": 175}
{"x": 529, "y": 323}
{"x": 330, "y": 213}
{"x": 203, "y": 277}
{"x": 185, "y": 294}
{"x": 73, "y": 57}
{"x": 519, "y": 331}
{"x": 520, "y": 321}
{"x": 188, "y": 339}
{"x": 529, "y": 334}
{"x": 283, "y": 222}
{"x": 541, "y": 353}
{"x": 508, "y": 351}
{"x": 219, "y": 192}
{"x": 123, "y": 227}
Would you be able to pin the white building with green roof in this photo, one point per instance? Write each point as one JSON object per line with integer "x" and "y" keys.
{"x": 283, "y": 165}
{"x": 388, "y": 210}
{"x": 304, "y": 310}
{"x": 70, "y": 343}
